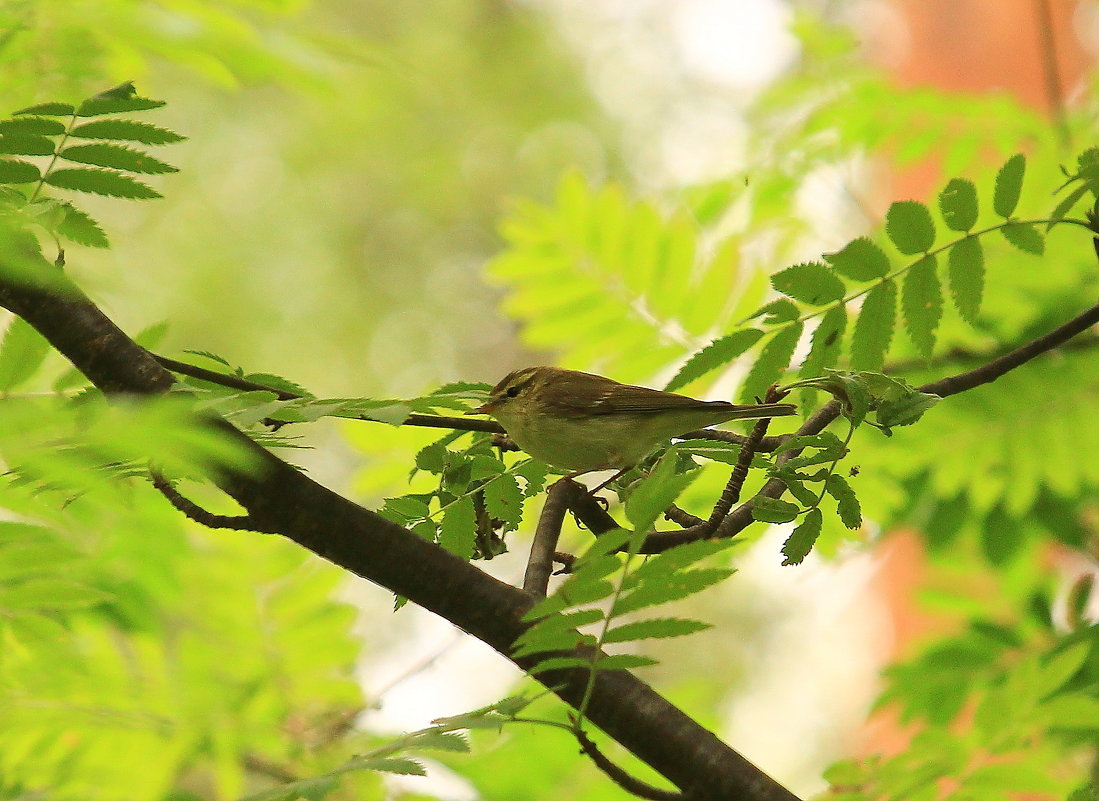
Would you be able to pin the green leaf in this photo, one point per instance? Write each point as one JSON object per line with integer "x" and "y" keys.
{"x": 79, "y": 227}
{"x": 559, "y": 663}
{"x": 773, "y": 510}
{"x": 827, "y": 342}
{"x": 32, "y": 125}
{"x": 26, "y": 145}
{"x": 13, "y": 171}
{"x": 847, "y": 505}
{"x": 922, "y": 301}
{"x": 408, "y": 507}
{"x": 442, "y": 741}
{"x": 1025, "y": 237}
{"x": 1072, "y": 711}
{"x": 101, "y": 182}
{"x": 118, "y": 157}
{"x": 399, "y": 765}
{"x": 657, "y": 492}
{"x": 96, "y": 106}
{"x": 825, "y": 440}
{"x": 21, "y": 354}
{"x": 504, "y": 499}
{"x": 205, "y": 354}
{"x": 718, "y": 353}
{"x": 811, "y": 282}
{"x": 773, "y": 359}
{"x": 456, "y": 532}
{"x": 906, "y": 409}
{"x": 48, "y": 110}
{"x": 556, "y": 632}
{"x": 1062, "y": 666}
{"x": 966, "y": 265}
{"x": 604, "y": 546}
{"x": 801, "y": 541}
{"x": 671, "y": 588}
{"x": 313, "y": 789}
{"x": 853, "y": 391}
{"x": 795, "y": 485}
{"x": 655, "y": 628}
{"x": 777, "y": 312}
{"x": 860, "y": 260}
{"x": 682, "y": 556}
{"x": 909, "y": 225}
{"x": 624, "y": 662}
{"x": 127, "y": 130}
{"x": 1065, "y": 205}
{"x": 50, "y": 593}
{"x": 874, "y": 327}
{"x": 1009, "y": 182}
{"x": 958, "y": 204}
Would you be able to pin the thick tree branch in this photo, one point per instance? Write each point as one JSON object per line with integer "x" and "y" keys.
{"x": 281, "y": 499}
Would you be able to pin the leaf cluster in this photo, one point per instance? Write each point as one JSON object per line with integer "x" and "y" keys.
{"x": 998, "y": 706}
{"x": 37, "y": 143}
{"x": 605, "y": 585}
{"x": 886, "y": 291}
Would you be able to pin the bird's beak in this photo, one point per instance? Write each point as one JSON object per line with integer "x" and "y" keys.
{"x": 485, "y": 408}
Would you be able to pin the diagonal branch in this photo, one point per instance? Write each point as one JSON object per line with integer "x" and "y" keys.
{"x": 280, "y": 499}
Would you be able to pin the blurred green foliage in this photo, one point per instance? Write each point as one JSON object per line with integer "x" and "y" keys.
{"x": 343, "y": 177}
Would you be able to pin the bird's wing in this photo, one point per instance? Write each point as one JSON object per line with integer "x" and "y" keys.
{"x": 626, "y": 399}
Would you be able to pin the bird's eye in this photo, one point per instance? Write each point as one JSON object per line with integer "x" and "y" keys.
{"x": 512, "y": 392}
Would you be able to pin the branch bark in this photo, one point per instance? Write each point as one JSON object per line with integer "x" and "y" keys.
{"x": 280, "y": 499}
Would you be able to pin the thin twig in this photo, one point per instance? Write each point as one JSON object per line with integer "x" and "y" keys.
{"x": 619, "y": 776}
{"x": 540, "y": 564}
{"x": 236, "y": 382}
{"x": 731, "y": 493}
{"x": 681, "y": 517}
{"x": 1001, "y": 365}
{"x": 200, "y": 515}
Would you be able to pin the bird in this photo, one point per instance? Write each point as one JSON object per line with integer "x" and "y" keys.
{"x": 583, "y": 422}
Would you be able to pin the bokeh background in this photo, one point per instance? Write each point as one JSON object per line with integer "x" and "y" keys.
{"x": 347, "y": 169}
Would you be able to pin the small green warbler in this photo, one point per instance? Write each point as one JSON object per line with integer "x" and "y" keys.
{"x": 584, "y": 422}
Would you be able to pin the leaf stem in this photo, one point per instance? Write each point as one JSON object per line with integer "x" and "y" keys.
{"x": 53, "y": 160}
